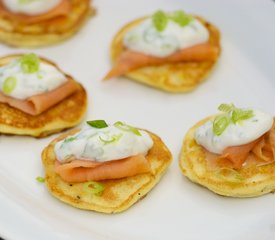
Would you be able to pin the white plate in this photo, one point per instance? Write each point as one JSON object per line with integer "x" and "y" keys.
{"x": 176, "y": 208}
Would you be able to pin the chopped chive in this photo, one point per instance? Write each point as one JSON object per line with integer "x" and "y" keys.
{"x": 95, "y": 188}
{"x": 160, "y": 20}
{"x": 231, "y": 114}
{"x": 30, "y": 63}
{"x": 226, "y": 107}
{"x": 9, "y": 85}
{"x": 114, "y": 139}
{"x": 181, "y": 18}
{"x": 124, "y": 127}
{"x": 97, "y": 123}
{"x": 240, "y": 115}
{"x": 40, "y": 179}
{"x": 26, "y": 1}
{"x": 70, "y": 139}
{"x": 220, "y": 124}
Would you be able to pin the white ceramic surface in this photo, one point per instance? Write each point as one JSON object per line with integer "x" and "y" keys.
{"x": 176, "y": 208}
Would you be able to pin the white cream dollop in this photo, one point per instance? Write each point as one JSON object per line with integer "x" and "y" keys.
{"x": 96, "y": 144}
{"x": 31, "y": 7}
{"x": 47, "y": 78}
{"x": 147, "y": 39}
{"x": 237, "y": 134}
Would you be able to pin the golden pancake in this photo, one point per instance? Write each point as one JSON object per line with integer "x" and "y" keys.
{"x": 119, "y": 194}
{"x": 247, "y": 182}
{"x": 19, "y": 34}
{"x": 177, "y": 77}
{"x": 66, "y": 114}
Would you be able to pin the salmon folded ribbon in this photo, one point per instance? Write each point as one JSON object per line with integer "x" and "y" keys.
{"x": 77, "y": 171}
{"x": 39, "y": 103}
{"x": 131, "y": 60}
{"x": 259, "y": 152}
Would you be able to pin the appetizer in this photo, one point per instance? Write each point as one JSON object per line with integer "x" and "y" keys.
{"x": 37, "y": 98}
{"x": 104, "y": 168}
{"x": 36, "y": 23}
{"x": 170, "y": 51}
{"x": 232, "y": 153}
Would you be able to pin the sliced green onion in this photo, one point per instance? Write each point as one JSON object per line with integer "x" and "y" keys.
{"x": 231, "y": 114}
{"x": 181, "y": 18}
{"x": 70, "y": 139}
{"x": 229, "y": 174}
{"x": 98, "y": 124}
{"x": 30, "y": 63}
{"x": 9, "y": 85}
{"x": 220, "y": 124}
{"x": 68, "y": 157}
{"x": 160, "y": 20}
{"x": 94, "y": 188}
{"x": 40, "y": 179}
{"x": 26, "y": 1}
{"x": 113, "y": 139}
{"x": 226, "y": 107}
{"x": 240, "y": 115}
{"x": 124, "y": 127}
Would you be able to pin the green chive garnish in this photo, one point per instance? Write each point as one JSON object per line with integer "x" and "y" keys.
{"x": 240, "y": 115}
{"x": 69, "y": 139}
{"x": 113, "y": 139}
{"x": 231, "y": 114}
{"x": 124, "y": 127}
{"x": 98, "y": 124}
{"x": 160, "y": 20}
{"x": 181, "y": 18}
{"x": 94, "y": 188}
{"x": 26, "y": 1}
{"x": 9, "y": 85}
{"x": 226, "y": 107}
{"x": 30, "y": 63}
{"x": 220, "y": 124}
{"x": 40, "y": 179}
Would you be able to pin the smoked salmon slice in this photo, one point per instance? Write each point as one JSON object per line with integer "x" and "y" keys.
{"x": 130, "y": 60}
{"x": 260, "y": 152}
{"x": 238, "y": 154}
{"x": 265, "y": 149}
{"x": 78, "y": 171}
{"x": 62, "y": 9}
{"x": 40, "y": 103}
